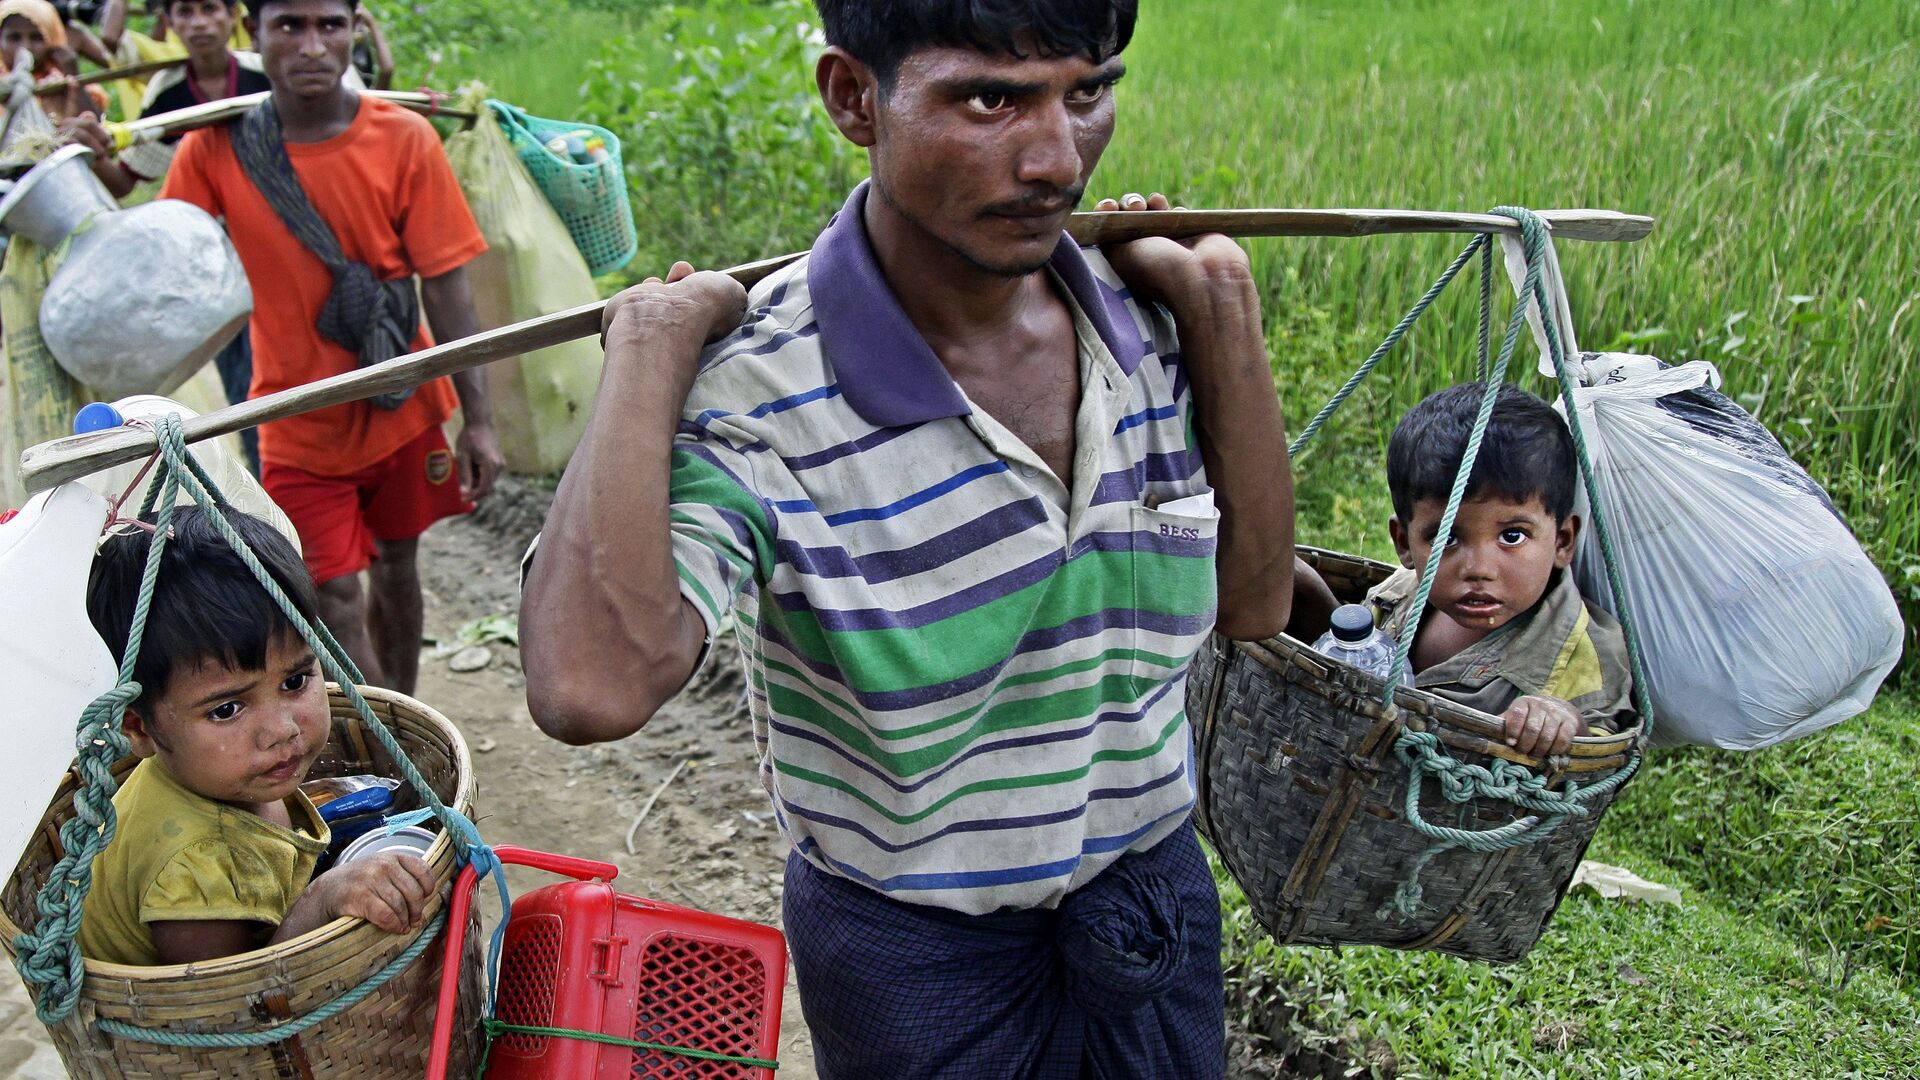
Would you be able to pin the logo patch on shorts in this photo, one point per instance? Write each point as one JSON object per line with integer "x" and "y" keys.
{"x": 439, "y": 466}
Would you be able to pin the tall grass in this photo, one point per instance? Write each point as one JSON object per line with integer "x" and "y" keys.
{"x": 1775, "y": 142}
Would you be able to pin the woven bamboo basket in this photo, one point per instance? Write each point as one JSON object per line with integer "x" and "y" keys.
{"x": 1302, "y": 796}
{"x": 385, "y": 1035}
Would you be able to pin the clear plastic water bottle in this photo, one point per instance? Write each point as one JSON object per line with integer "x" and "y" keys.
{"x": 1355, "y": 640}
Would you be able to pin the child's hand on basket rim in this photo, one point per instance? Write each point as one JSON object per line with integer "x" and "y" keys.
{"x": 1541, "y": 725}
{"x": 388, "y": 889}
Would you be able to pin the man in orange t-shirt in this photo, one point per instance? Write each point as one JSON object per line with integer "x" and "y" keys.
{"x": 360, "y": 482}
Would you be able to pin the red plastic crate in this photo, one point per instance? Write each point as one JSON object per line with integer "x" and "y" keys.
{"x": 580, "y": 955}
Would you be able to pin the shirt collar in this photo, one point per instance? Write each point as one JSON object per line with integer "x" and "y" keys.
{"x": 885, "y": 368}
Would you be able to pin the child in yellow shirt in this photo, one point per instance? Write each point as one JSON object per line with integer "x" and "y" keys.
{"x": 215, "y": 846}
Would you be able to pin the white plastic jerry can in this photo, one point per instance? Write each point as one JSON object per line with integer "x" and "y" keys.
{"x": 219, "y": 457}
{"x": 55, "y": 665}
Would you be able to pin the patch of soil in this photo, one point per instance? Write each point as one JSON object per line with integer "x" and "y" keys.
{"x": 708, "y": 841}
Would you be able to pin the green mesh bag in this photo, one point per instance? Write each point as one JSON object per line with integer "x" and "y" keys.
{"x": 590, "y": 199}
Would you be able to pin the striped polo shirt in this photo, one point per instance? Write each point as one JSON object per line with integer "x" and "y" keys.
{"x": 967, "y": 674}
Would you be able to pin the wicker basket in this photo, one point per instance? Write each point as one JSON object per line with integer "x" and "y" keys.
{"x": 384, "y": 1035}
{"x": 1302, "y": 796}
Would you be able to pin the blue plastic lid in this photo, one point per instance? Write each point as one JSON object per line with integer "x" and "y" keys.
{"x": 96, "y": 416}
{"x": 358, "y": 802}
{"x": 1352, "y": 622}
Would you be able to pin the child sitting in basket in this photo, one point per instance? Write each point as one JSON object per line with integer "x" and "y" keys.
{"x": 215, "y": 846}
{"x": 1506, "y": 631}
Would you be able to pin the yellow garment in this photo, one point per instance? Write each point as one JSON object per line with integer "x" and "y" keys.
{"x": 40, "y": 398}
{"x": 138, "y": 48}
{"x": 178, "y": 855}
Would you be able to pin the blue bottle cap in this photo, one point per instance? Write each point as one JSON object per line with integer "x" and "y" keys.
{"x": 96, "y": 416}
{"x": 1352, "y": 622}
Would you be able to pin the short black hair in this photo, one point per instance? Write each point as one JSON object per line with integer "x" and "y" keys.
{"x": 207, "y": 606}
{"x": 881, "y": 33}
{"x": 256, "y": 8}
{"x": 1527, "y": 451}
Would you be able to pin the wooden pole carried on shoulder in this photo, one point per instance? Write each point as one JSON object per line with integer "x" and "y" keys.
{"x": 208, "y": 113}
{"x": 141, "y": 70}
{"x": 61, "y": 460}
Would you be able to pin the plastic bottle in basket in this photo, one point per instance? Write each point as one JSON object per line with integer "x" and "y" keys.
{"x": 1356, "y": 641}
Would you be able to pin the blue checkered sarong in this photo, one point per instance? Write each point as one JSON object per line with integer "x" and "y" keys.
{"x": 1121, "y": 981}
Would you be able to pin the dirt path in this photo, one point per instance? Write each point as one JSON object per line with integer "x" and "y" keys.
{"x": 708, "y": 841}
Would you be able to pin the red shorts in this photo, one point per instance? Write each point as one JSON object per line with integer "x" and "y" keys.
{"x": 339, "y": 518}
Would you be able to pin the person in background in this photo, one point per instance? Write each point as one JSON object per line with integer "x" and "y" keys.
{"x": 361, "y": 481}
{"x": 129, "y": 46}
{"x": 213, "y": 70}
{"x": 372, "y": 60}
{"x": 36, "y": 27}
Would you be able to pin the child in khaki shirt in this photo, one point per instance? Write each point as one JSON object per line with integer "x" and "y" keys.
{"x": 214, "y": 845}
{"x": 1506, "y": 631}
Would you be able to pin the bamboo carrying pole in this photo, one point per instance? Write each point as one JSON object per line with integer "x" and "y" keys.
{"x": 131, "y": 71}
{"x": 207, "y": 114}
{"x": 61, "y": 460}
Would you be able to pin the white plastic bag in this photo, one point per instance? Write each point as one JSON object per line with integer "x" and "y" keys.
{"x": 1760, "y": 618}
{"x": 221, "y": 458}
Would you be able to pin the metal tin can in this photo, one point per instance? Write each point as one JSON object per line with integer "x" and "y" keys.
{"x": 411, "y": 839}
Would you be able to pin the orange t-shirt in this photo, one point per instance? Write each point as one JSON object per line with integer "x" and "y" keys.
{"x": 387, "y": 191}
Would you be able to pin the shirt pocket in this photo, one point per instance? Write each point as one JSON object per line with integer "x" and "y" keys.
{"x": 1175, "y": 592}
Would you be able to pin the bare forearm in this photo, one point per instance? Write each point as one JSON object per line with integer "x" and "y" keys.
{"x": 83, "y": 42}
{"x": 113, "y": 24}
{"x": 114, "y": 177}
{"x": 1243, "y": 443}
{"x": 607, "y": 637}
{"x": 448, "y": 300}
{"x": 309, "y": 912}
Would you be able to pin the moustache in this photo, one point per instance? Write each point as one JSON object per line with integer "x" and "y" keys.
{"x": 1039, "y": 203}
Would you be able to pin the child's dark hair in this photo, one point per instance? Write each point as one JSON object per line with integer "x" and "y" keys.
{"x": 881, "y": 33}
{"x": 1526, "y": 452}
{"x": 207, "y": 606}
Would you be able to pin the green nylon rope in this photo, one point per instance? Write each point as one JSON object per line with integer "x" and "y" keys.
{"x": 495, "y": 1028}
{"x": 282, "y": 1032}
{"x": 1393, "y": 338}
{"x": 49, "y": 957}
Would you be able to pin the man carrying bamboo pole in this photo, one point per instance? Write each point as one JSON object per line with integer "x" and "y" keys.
{"x": 212, "y": 71}
{"x": 968, "y": 492}
{"x": 335, "y": 201}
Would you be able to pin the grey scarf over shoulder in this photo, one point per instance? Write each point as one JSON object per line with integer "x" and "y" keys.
{"x": 373, "y": 319}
